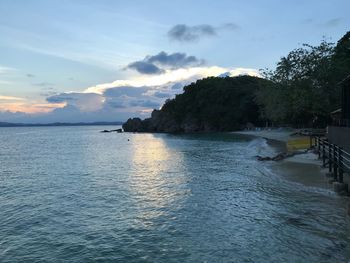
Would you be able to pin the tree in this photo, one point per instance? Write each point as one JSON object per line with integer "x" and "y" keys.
{"x": 305, "y": 84}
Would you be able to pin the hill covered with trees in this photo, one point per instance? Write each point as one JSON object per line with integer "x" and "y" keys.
{"x": 210, "y": 104}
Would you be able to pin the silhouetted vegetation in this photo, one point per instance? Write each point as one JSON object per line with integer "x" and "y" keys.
{"x": 304, "y": 89}
{"x": 210, "y": 104}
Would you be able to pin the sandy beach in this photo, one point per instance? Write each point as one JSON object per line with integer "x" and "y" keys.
{"x": 303, "y": 168}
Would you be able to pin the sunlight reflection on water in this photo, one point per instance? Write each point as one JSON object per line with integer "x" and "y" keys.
{"x": 74, "y": 194}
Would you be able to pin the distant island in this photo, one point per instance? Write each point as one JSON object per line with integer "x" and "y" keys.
{"x": 8, "y": 124}
{"x": 301, "y": 92}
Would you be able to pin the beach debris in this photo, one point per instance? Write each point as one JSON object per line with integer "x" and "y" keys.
{"x": 280, "y": 156}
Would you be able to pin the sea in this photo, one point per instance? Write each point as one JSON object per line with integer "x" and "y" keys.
{"x": 74, "y": 194}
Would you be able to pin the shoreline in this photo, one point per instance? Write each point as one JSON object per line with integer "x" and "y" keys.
{"x": 304, "y": 168}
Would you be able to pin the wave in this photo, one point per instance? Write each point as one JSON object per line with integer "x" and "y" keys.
{"x": 260, "y": 146}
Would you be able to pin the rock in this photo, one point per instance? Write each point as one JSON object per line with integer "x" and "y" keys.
{"x": 133, "y": 125}
{"x": 117, "y": 130}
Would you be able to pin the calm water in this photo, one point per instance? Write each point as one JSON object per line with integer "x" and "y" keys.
{"x": 72, "y": 194}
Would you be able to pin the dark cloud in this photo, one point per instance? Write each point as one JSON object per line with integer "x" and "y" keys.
{"x": 158, "y": 63}
{"x": 174, "y": 60}
{"x": 182, "y": 32}
{"x": 160, "y": 94}
{"x": 145, "y": 67}
{"x": 177, "y": 86}
{"x": 125, "y": 90}
{"x": 128, "y": 96}
{"x": 185, "y": 33}
{"x": 63, "y": 97}
{"x": 116, "y": 103}
{"x": 87, "y": 102}
{"x": 145, "y": 103}
{"x": 48, "y": 93}
{"x": 73, "y": 96}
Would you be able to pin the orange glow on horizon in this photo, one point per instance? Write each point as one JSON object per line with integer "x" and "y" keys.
{"x": 35, "y": 108}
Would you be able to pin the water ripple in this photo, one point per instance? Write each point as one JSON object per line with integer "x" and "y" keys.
{"x": 72, "y": 194}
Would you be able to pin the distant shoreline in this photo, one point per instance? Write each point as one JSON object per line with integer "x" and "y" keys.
{"x": 58, "y": 124}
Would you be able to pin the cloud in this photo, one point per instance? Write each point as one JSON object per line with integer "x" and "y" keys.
{"x": 329, "y": 23}
{"x": 145, "y": 67}
{"x": 129, "y": 91}
{"x": 175, "y": 60}
{"x": 160, "y": 94}
{"x": 185, "y": 33}
{"x": 182, "y": 32}
{"x": 30, "y": 75}
{"x": 6, "y": 70}
{"x": 115, "y": 101}
{"x": 83, "y": 101}
{"x": 44, "y": 84}
{"x": 157, "y": 64}
{"x": 176, "y": 86}
{"x": 124, "y": 96}
{"x": 229, "y": 26}
{"x": 29, "y": 108}
{"x": 333, "y": 22}
{"x": 145, "y": 103}
{"x": 10, "y": 98}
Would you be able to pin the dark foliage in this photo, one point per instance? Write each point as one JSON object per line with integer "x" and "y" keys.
{"x": 210, "y": 104}
{"x": 306, "y": 88}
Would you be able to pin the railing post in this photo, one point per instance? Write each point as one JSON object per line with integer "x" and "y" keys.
{"x": 340, "y": 164}
{"x": 323, "y": 153}
{"x": 335, "y": 163}
{"x": 318, "y": 147}
{"x": 330, "y": 157}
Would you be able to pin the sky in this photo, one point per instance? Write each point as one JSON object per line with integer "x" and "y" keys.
{"x": 109, "y": 60}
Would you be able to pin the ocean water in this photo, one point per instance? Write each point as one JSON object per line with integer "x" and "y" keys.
{"x": 72, "y": 194}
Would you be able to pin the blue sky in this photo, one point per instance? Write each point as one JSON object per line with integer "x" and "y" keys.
{"x": 62, "y": 60}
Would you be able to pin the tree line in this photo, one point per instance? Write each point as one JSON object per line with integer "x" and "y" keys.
{"x": 304, "y": 88}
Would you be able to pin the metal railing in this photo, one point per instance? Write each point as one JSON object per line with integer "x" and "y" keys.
{"x": 337, "y": 159}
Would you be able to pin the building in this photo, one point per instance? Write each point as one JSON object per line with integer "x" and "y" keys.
{"x": 339, "y": 132}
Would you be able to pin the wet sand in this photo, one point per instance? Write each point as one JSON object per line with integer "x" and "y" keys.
{"x": 302, "y": 168}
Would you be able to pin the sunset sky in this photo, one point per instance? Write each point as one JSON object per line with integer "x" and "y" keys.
{"x": 83, "y": 61}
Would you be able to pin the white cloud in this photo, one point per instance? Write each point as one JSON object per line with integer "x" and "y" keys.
{"x": 6, "y": 70}
{"x": 120, "y": 99}
{"x": 172, "y": 76}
